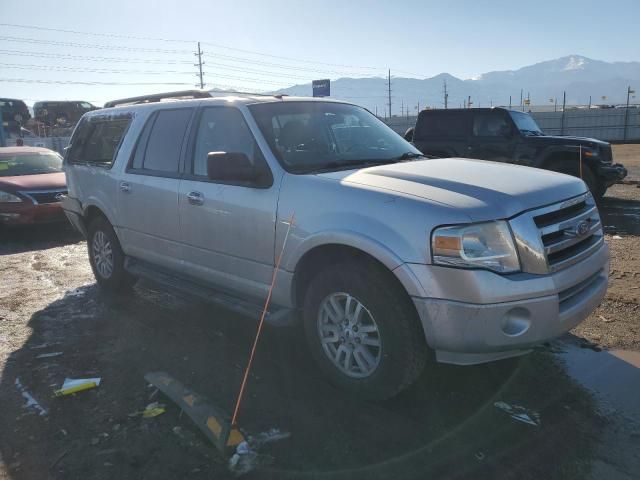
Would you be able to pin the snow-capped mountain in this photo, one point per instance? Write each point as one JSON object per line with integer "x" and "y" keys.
{"x": 579, "y": 76}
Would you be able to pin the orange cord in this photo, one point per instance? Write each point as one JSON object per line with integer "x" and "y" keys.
{"x": 260, "y": 324}
{"x": 580, "y": 161}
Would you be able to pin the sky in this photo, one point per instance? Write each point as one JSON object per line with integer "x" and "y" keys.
{"x": 124, "y": 48}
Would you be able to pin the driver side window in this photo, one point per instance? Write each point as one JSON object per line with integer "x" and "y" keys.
{"x": 223, "y": 129}
{"x": 490, "y": 124}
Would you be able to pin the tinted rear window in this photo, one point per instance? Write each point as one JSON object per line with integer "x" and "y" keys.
{"x": 442, "y": 123}
{"x": 97, "y": 141}
{"x": 160, "y": 144}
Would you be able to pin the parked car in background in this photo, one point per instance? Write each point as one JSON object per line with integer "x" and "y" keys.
{"x": 61, "y": 113}
{"x": 14, "y": 114}
{"x": 391, "y": 255}
{"x": 32, "y": 184}
{"x": 510, "y": 136}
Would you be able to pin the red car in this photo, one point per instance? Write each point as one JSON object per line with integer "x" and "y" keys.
{"x": 32, "y": 184}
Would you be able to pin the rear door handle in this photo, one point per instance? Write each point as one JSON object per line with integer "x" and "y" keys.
{"x": 125, "y": 187}
{"x": 195, "y": 198}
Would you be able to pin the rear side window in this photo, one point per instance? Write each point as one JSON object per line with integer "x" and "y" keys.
{"x": 97, "y": 141}
{"x": 160, "y": 143}
{"x": 442, "y": 124}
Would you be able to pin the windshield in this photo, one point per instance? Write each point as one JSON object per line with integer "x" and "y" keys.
{"x": 525, "y": 123}
{"x": 29, "y": 164}
{"x": 312, "y": 136}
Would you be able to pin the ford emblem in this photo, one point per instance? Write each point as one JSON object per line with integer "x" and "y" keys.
{"x": 582, "y": 228}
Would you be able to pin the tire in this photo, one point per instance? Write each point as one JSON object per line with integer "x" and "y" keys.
{"x": 106, "y": 257}
{"x": 402, "y": 352}
{"x": 595, "y": 185}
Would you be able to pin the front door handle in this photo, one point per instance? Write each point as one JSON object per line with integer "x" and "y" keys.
{"x": 125, "y": 187}
{"x": 195, "y": 198}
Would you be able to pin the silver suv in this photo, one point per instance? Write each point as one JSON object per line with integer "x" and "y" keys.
{"x": 394, "y": 259}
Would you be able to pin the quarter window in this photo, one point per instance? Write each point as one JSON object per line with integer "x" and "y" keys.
{"x": 97, "y": 141}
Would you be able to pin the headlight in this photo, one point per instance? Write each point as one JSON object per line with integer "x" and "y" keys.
{"x": 481, "y": 245}
{"x": 6, "y": 197}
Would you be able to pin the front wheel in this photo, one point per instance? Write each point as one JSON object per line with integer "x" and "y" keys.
{"x": 363, "y": 331}
{"x": 106, "y": 257}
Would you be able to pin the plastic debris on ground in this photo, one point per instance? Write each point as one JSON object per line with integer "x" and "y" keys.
{"x": 519, "y": 413}
{"x": 153, "y": 410}
{"x": 247, "y": 458}
{"x": 616, "y": 237}
{"x": 31, "y": 402}
{"x": 75, "y": 385}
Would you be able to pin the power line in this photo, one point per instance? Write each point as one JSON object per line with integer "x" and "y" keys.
{"x": 77, "y": 82}
{"x": 216, "y": 45}
{"x": 94, "y": 58}
{"x": 91, "y": 45}
{"x": 59, "y": 68}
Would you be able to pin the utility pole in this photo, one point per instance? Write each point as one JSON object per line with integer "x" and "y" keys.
{"x": 509, "y": 102}
{"x": 199, "y": 65}
{"x": 589, "y": 102}
{"x": 446, "y": 96}
{"x": 389, "y": 88}
{"x": 564, "y": 103}
{"x": 469, "y": 102}
{"x": 626, "y": 113}
{"x": 521, "y": 102}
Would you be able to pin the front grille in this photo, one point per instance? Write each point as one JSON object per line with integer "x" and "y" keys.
{"x": 45, "y": 196}
{"x": 570, "y": 231}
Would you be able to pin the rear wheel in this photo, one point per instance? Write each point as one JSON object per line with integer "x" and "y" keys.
{"x": 363, "y": 331}
{"x": 106, "y": 256}
{"x": 596, "y": 186}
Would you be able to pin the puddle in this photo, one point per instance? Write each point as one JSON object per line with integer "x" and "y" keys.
{"x": 613, "y": 376}
{"x": 621, "y": 216}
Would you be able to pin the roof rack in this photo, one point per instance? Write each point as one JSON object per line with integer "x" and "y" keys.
{"x": 157, "y": 97}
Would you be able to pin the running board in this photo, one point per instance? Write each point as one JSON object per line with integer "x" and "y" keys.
{"x": 277, "y": 317}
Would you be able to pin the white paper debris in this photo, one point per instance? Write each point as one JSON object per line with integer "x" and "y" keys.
{"x": 74, "y": 382}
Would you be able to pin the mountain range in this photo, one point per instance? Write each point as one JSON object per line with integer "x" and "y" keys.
{"x": 544, "y": 83}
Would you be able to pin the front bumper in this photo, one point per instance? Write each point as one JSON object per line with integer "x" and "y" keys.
{"x": 612, "y": 173}
{"x": 15, "y": 214}
{"x": 475, "y": 316}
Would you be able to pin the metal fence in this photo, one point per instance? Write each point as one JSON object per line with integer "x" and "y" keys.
{"x": 611, "y": 124}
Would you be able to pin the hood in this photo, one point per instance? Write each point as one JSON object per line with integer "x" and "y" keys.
{"x": 44, "y": 181}
{"x": 483, "y": 190}
{"x": 568, "y": 140}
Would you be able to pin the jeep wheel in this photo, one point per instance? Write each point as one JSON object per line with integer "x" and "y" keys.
{"x": 106, "y": 257}
{"x": 595, "y": 185}
{"x": 363, "y": 331}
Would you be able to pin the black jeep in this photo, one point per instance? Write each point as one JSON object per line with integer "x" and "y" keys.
{"x": 510, "y": 136}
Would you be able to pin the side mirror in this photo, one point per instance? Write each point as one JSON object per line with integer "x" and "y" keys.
{"x": 235, "y": 167}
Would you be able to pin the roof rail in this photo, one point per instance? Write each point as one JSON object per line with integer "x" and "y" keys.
{"x": 157, "y": 97}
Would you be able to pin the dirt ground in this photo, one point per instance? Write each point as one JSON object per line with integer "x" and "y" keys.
{"x": 55, "y": 323}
